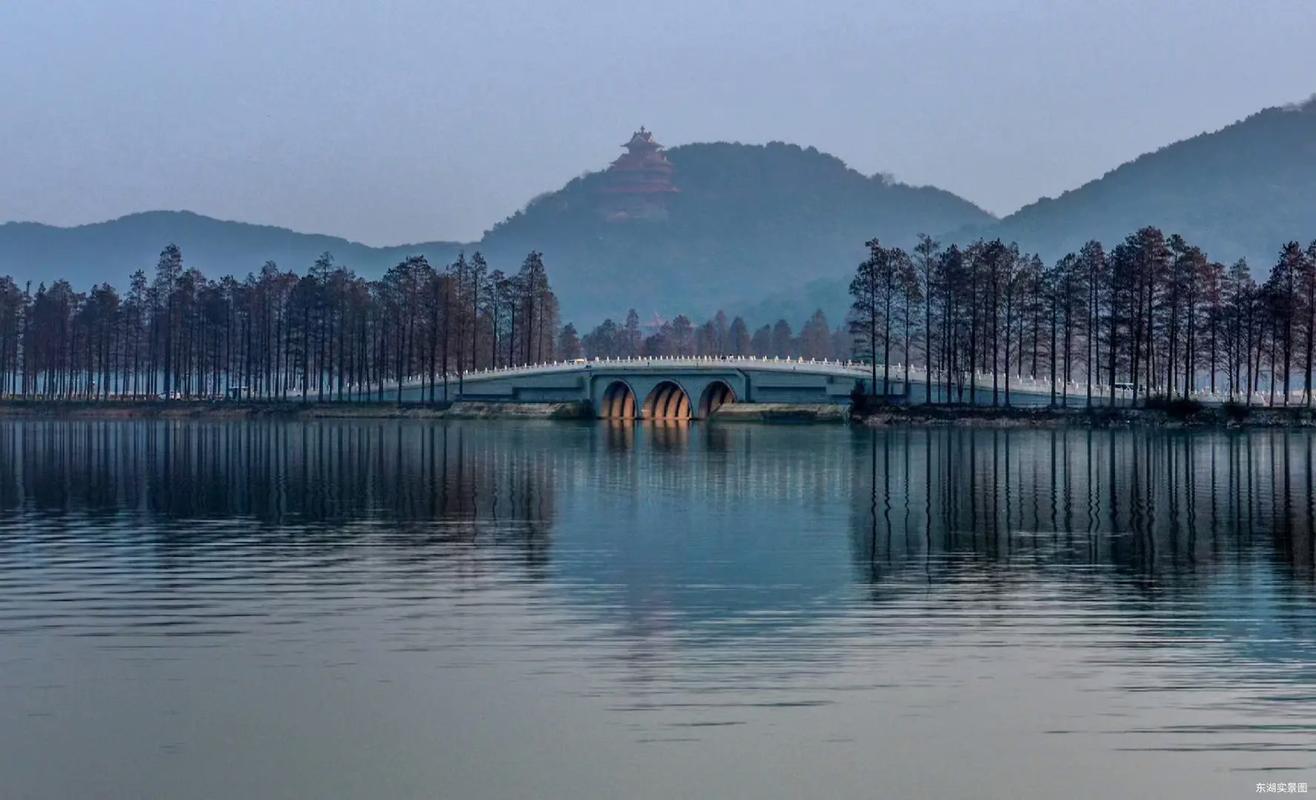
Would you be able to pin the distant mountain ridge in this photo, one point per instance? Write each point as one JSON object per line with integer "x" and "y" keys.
{"x": 766, "y": 230}
{"x": 747, "y": 220}
{"x": 1238, "y": 192}
{"x": 112, "y": 250}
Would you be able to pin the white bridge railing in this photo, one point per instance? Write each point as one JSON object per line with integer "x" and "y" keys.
{"x": 1018, "y": 383}
{"x": 808, "y": 365}
{"x": 814, "y": 366}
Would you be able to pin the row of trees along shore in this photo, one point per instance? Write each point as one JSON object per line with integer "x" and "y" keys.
{"x": 1153, "y": 316}
{"x": 274, "y": 334}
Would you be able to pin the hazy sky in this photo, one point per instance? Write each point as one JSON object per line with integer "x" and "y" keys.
{"x": 390, "y": 122}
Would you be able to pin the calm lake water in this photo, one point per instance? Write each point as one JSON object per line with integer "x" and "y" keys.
{"x": 373, "y": 609}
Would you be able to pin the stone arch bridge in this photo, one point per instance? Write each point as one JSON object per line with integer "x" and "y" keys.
{"x": 689, "y": 387}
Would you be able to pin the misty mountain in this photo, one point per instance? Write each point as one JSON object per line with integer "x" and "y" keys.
{"x": 764, "y": 230}
{"x": 1239, "y": 192}
{"x": 744, "y": 222}
{"x": 111, "y": 251}
{"x": 747, "y": 220}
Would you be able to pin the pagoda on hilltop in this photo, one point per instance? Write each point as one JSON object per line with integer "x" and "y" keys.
{"x": 638, "y": 184}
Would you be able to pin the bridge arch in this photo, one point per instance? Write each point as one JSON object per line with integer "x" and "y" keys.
{"x": 619, "y": 401}
{"x": 716, "y": 394}
{"x": 667, "y": 401}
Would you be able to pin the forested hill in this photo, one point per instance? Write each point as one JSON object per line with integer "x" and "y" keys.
{"x": 111, "y": 251}
{"x": 766, "y": 230}
{"x": 747, "y": 221}
{"x": 1240, "y": 192}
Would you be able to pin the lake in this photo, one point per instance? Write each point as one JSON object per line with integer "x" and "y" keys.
{"x": 384, "y": 608}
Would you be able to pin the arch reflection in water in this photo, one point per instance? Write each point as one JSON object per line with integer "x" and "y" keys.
{"x": 669, "y": 435}
{"x": 618, "y": 434}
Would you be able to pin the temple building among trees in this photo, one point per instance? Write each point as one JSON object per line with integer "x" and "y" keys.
{"x": 639, "y": 183}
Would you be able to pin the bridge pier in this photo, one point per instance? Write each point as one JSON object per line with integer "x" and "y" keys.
{"x": 656, "y": 394}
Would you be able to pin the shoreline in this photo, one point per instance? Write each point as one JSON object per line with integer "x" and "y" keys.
{"x": 1173, "y": 418}
{"x": 276, "y": 409}
{"x": 1234, "y": 418}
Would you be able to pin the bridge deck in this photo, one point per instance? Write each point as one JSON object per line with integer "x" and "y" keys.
{"x": 1024, "y": 390}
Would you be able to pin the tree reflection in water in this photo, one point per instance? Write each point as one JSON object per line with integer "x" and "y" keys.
{"x": 435, "y": 482}
{"x": 1152, "y": 504}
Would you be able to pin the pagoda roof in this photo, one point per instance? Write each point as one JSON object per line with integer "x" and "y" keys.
{"x": 642, "y": 138}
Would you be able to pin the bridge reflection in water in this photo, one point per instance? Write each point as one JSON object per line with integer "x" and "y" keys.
{"x": 701, "y": 506}
{"x": 754, "y": 590}
{"x": 1138, "y": 499}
